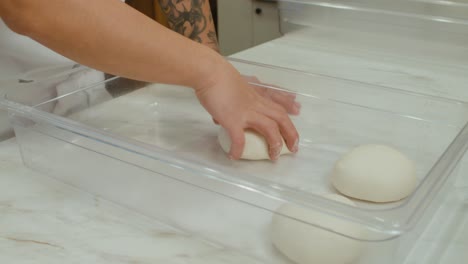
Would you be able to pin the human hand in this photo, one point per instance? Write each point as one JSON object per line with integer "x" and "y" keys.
{"x": 236, "y": 106}
{"x": 285, "y": 99}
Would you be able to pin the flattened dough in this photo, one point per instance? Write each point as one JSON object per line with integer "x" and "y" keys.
{"x": 256, "y": 147}
{"x": 305, "y": 243}
{"x": 375, "y": 173}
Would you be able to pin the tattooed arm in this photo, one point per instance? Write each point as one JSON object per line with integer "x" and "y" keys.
{"x": 136, "y": 47}
{"x": 193, "y": 19}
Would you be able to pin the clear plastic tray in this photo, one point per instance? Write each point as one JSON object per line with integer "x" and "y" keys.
{"x": 429, "y": 31}
{"x": 6, "y": 131}
{"x": 153, "y": 148}
{"x": 416, "y": 45}
{"x": 446, "y": 239}
{"x": 440, "y": 21}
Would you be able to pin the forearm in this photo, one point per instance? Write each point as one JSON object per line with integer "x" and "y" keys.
{"x": 192, "y": 19}
{"x": 109, "y": 36}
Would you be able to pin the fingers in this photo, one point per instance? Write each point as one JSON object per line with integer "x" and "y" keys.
{"x": 251, "y": 79}
{"x": 215, "y": 121}
{"x": 237, "y": 142}
{"x": 270, "y": 130}
{"x": 285, "y": 126}
{"x": 287, "y": 101}
{"x": 265, "y": 111}
{"x": 274, "y": 124}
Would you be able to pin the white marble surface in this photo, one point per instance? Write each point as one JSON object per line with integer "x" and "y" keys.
{"x": 416, "y": 65}
{"x": 341, "y": 54}
{"x": 45, "y": 221}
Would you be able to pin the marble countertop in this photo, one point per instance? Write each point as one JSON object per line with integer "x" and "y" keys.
{"x": 418, "y": 66}
{"x": 45, "y": 221}
{"x": 343, "y": 55}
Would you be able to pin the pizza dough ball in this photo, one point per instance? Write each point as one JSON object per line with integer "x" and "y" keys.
{"x": 255, "y": 148}
{"x": 305, "y": 243}
{"x": 375, "y": 173}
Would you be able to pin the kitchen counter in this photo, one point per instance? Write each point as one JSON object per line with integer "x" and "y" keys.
{"x": 333, "y": 54}
{"x": 45, "y": 221}
{"x": 417, "y": 66}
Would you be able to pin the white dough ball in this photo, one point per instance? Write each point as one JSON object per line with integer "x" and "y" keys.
{"x": 375, "y": 173}
{"x": 255, "y": 148}
{"x": 306, "y": 244}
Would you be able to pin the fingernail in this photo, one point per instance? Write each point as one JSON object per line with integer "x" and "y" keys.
{"x": 297, "y": 108}
{"x": 295, "y": 148}
{"x": 275, "y": 152}
{"x": 275, "y": 158}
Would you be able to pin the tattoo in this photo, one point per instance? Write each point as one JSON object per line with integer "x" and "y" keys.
{"x": 212, "y": 37}
{"x": 186, "y": 17}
